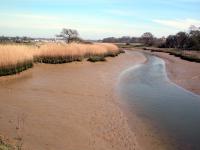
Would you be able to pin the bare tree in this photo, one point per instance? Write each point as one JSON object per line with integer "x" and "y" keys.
{"x": 68, "y": 34}
{"x": 148, "y": 38}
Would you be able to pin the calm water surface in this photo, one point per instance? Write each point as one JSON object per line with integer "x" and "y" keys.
{"x": 147, "y": 90}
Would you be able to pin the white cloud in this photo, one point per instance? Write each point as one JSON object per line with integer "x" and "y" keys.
{"x": 178, "y": 24}
{"x": 42, "y": 25}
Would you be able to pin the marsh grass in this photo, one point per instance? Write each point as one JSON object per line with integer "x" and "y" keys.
{"x": 4, "y": 145}
{"x": 17, "y": 58}
{"x": 63, "y": 53}
{"x": 96, "y": 58}
{"x": 14, "y": 59}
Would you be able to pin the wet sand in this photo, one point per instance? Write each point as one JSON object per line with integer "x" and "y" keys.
{"x": 69, "y": 106}
{"x": 182, "y": 72}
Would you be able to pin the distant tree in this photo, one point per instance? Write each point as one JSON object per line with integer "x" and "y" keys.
{"x": 194, "y": 40}
{"x": 182, "y": 38}
{"x": 124, "y": 39}
{"x": 3, "y": 39}
{"x": 68, "y": 35}
{"x": 171, "y": 41}
{"x": 110, "y": 40}
{"x": 148, "y": 38}
{"x": 160, "y": 42}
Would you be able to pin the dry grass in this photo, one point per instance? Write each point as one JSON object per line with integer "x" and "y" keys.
{"x": 17, "y": 58}
{"x": 14, "y": 59}
{"x": 62, "y": 53}
{"x": 13, "y": 54}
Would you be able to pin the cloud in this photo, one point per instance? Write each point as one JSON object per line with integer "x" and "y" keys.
{"x": 178, "y": 24}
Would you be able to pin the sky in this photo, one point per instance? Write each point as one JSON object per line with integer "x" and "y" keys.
{"x": 96, "y": 19}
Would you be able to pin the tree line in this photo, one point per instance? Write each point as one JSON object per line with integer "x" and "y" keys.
{"x": 182, "y": 40}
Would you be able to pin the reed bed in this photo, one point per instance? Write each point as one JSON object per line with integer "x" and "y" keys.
{"x": 55, "y": 53}
{"x": 17, "y": 58}
{"x": 14, "y": 59}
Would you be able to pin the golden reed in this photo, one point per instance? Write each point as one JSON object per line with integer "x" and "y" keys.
{"x": 17, "y": 58}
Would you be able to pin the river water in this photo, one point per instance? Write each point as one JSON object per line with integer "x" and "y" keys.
{"x": 147, "y": 90}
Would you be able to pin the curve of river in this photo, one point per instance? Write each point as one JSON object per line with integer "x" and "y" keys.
{"x": 175, "y": 110}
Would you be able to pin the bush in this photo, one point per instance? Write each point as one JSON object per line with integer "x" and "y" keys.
{"x": 96, "y": 58}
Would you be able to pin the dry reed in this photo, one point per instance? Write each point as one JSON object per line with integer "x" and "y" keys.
{"x": 17, "y": 58}
{"x": 61, "y": 53}
{"x": 14, "y": 59}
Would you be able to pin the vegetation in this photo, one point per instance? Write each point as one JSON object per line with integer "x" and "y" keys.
{"x": 147, "y": 38}
{"x": 63, "y": 53}
{"x": 96, "y": 58}
{"x": 124, "y": 39}
{"x": 69, "y": 35}
{"x": 183, "y": 40}
{"x": 17, "y": 58}
{"x": 4, "y": 145}
{"x": 183, "y": 54}
{"x": 14, "y": 59}
{"x": 185, "y": 45}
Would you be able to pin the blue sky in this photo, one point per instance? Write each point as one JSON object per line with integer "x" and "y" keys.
{"x": 96, "y": 19}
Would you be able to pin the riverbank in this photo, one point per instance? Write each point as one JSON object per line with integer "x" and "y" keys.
{"x": 182, "y": 72}
{"x": 67, "y": 106}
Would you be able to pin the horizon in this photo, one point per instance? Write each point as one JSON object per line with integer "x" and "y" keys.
{"x": 97, "y": 19}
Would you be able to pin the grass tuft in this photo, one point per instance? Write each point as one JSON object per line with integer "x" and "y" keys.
{"x": 4, "y": 145}
{"x": 96, "y": 58}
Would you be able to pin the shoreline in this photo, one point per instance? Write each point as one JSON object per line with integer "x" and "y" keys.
{"x": 67, "y": 106}
{"x": 182, "y": 72}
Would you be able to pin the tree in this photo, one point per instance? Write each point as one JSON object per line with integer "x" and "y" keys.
{"x": 68, "y": 35}
{"x": 148, "y": 38}
{"x": 194, "y": 40}
{"x": 181, "y": 38}
{"x": 3, "y": 39}
{"x": 171, "y": 41}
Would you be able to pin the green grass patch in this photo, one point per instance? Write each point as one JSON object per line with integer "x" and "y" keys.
{"x": 14, "y": 69}
{"x": 96, "y": 58}
{"x": 57, "y": 59}
{"x": 4, "y": 145}
{"x": 68, "y": 59}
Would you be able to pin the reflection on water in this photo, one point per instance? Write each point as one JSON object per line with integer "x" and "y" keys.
{"x": 172, "y": 108}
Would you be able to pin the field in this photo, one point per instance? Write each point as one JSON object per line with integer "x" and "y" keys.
{"x": 17, "y": 58}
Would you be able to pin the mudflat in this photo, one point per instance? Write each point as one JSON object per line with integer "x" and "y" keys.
{"x": 67, "y": 106}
